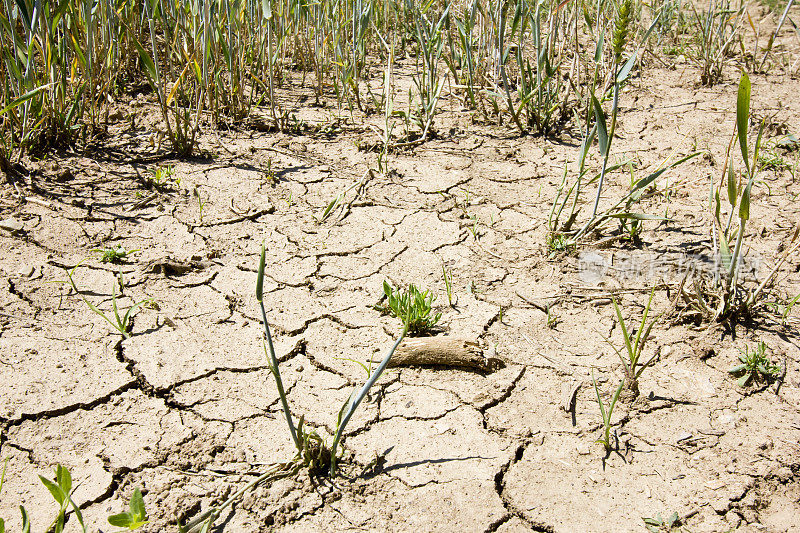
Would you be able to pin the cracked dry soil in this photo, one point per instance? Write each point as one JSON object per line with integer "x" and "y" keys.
{"x": 186, "y": 408}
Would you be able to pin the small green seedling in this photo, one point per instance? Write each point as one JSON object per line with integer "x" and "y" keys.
{"x": 659, "y": 525}
{"x": 634, "y": 346}
{"x": 269, "y": 174}
{"x": 414, "y": 305}
{"x": 200, "y": 202}
{"x": 448, "y": 285}
{"x": 61, "y": 490}
{"x": 558, "y": 243}
{"x": 122, "y": 323}
{"x": 783, "y": 309}
{"x": 135, "y": 517}
{"x": 605, "y": 412}
{"x": 756, "y": 366}
{"x": 113, "y": 255}
{"x": 161, "y": 177}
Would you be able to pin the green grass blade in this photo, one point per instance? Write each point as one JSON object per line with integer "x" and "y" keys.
{"x": 602, "y": 129}
{"x": 639, "y": 342}
{"x": 24, "y": 98}
{"x": 624, "y": 329}
{"x": 743, "y": 116}
{"x": 599, "y": 399}
{"x": 260, "y": 280}
{"x": 614, "y": 400}
{"x": 732, "y": 192}
{"x": 744, "y": 206}
{"x": 26, "y": 521}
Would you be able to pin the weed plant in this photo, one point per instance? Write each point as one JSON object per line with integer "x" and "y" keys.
{"x": 413, "y": 306}
{"x": 114, "y": 255}
{"x": 657, "y": 524}
{"x": 755, "y": 366}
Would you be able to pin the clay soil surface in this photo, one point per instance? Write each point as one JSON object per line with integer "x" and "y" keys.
{"x": 186, "y": 407}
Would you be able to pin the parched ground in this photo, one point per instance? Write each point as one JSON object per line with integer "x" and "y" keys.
{"x": 186, "y": 408}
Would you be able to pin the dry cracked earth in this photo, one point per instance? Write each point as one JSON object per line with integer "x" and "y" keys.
{"x": 186, "y": 407}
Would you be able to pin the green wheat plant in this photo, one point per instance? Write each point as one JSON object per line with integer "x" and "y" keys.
{"x": 448, "y": 286}
{"x": 723, "y": 296}
{"x": 312, "y": 451}
{"x": 566, "y": 206}
{"x": 606, "y": 412}
{"x": 634, "y": 345}
{"x": 717, "y": 30}
{"x": 430, "y": 38}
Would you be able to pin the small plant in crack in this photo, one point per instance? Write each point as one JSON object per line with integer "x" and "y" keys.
{"x": 605, "y": 412}
{"x": 313, "y": 453}
{"x": 161, "y": 178}
{"x": 755, "y": 366}
{"x": 113, "y": 255}
{"x": 413, "y": 306}
{"x": 201, "y": 203}
{"x": 121, "y": 323}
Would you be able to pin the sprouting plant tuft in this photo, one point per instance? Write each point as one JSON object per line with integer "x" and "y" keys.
{"x": 726, "y": 296}
{"x": 558, "y": 243}
{"x": 160, "y": 178}
{"x": 113, "y": 255}
{"x": 61, "y": 489}
{"x": 605, "y": 412}
{"x": 755, "y": 366}
{"x": 414, "y": 305}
